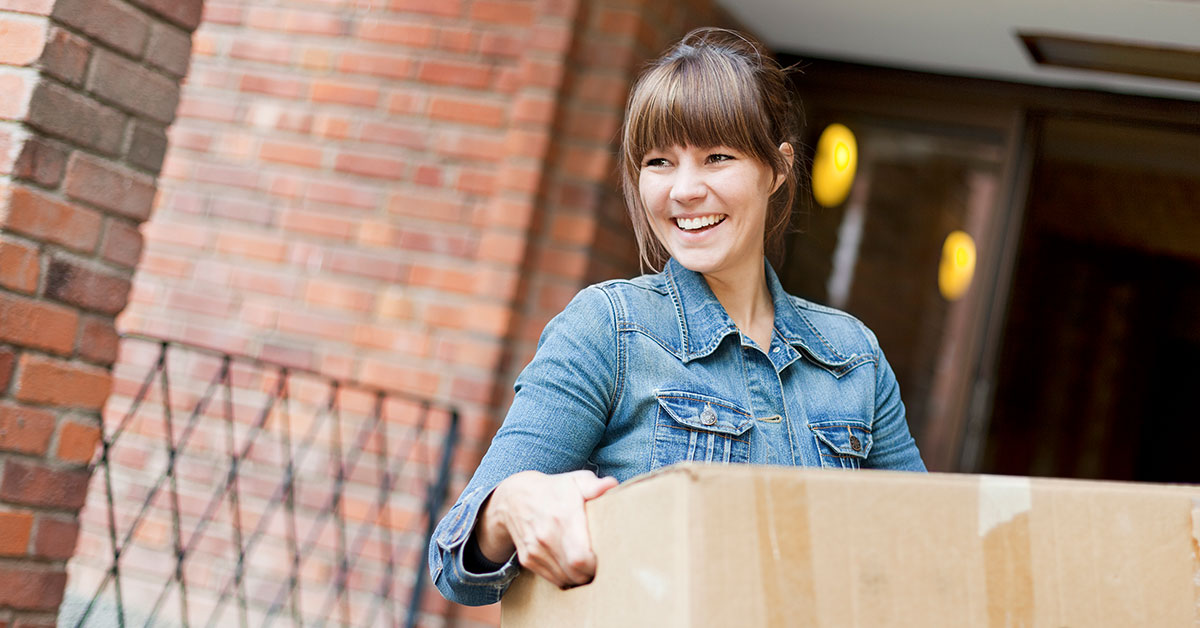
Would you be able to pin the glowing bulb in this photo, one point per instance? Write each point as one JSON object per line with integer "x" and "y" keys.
{"x": 957, "y": 267}
{"x": 834, "y": 165}
{"x": 841, "y": 156}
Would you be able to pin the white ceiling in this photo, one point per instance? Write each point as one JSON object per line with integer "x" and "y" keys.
{"x": 974, "y": 37}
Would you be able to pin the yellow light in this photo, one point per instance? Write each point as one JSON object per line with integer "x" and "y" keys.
{"x": 834, "y": 165}
{"x": 957, "y": 266}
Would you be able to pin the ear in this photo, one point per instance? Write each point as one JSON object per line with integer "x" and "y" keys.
{"x": 788, "y": 154}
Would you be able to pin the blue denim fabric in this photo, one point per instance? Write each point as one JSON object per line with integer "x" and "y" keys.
{"x": 639, "y": 374}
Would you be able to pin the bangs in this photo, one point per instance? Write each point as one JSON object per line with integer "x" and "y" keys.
{"x": 703, "y": 101}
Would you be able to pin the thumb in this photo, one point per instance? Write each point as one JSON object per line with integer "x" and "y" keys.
{"x": 593, "y": 487}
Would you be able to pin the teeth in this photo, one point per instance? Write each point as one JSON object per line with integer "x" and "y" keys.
{"x": 699, "y": 221}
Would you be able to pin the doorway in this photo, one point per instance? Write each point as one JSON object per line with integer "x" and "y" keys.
{"x": 1101, "y": 344}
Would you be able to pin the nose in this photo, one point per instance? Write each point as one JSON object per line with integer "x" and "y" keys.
{"x": 688, "y": 185}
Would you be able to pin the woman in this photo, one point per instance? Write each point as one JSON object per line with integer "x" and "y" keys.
{"x": 708, "y": 360}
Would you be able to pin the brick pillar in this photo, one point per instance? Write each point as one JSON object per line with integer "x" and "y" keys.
{"x": 87, "y": 91}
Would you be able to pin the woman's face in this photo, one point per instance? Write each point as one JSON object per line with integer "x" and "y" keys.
{"x": 708, "y": 207}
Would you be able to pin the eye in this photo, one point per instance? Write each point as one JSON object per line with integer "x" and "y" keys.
{"x": 654, "y": 162}
{"x": 716, "y": 158}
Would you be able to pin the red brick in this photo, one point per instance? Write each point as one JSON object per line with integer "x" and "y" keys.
{"x": 341, "y": 93}
{"x": 15, "y": 88}
{"x": 34, "y": 484}
{"x": 349, "y": 195}
{"x": 456, "y": 39}
{"x": 41, "y": 162}
{"x": 428, "y": 175}
{"x": 184, "y": 13}
{"x": 220, "y": 13}
{"x": 66, "y": 56}
{"x": 33, "y": 7}
{"x": 321, "y": 224}
{"x": 273, "y": 86}
{"x": 405, "y": 204}
{"x": 405, "y": 102}
{"x": 98, "y": 182}
{"x": 291, "y": 153}
{"x": 443, "y": 278}
{"x": 306, "y": 22}
{"x": 77, "y": 442}
{"x": 25, "y": 430}
{"x": 446, "y": 8}
{"x": 502, "y": 44}
{"x": 504, "y": 248}
{"x": 98, "y": 340}
{"x": 23, "y": 37}
{"x": 215, "y": 110}
{"x": 395, "y": 377}
{"x": 64, "y": 113}
{"x": 332, "y": 127}
{"x": 37, "y": 324}
{"x": 170, "y": 49}
{"x": 148, "y": 146}
{"x": 481, "y": 146}
{"x": 55, "y": 538}
{"x": 533, "y": 109}
{"x": 110, "y": 21}
{"x": 474, "y": 75}
{"x": 337, "y": 294}
{"x": 73, "y": 282}
{"x": 369, "y": 165}
{"x": 386, "y": 66}
{"x": 7, "y": 359}
{"x": 308, "y": 325}
{"x": 467, "y": 111}
{"x": 271, "y": 249}
{"x": 501, "y": 12}
{"x": 476, "y": 181}
{"x": 279, "y": 53}
{"x": 26, "y": 587}
{"x": 133, "y": 87}
{"x": 408, "y": 136}
{"x": 403, "y": 33}
{"x": 19, "y": 269}
{"x": 122, "y": 244}
{"x": 365, "y": 265}
{"x": 390, "y": 339}
{"x": 15, "y": 529}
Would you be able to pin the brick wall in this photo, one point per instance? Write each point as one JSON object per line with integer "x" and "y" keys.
{"x": 87, "y": 91}
{"x": 394, "y": 192}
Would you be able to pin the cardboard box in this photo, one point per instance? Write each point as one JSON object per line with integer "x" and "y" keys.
{"x": 767, "y": 546}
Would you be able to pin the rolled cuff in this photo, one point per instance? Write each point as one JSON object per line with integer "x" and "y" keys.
{"x": 446, "y": 554}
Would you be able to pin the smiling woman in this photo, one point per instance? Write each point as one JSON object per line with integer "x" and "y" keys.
{"x": 707, "y": 360}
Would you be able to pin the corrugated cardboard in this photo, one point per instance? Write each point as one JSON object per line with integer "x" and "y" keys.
{"x": 768, "y": 546}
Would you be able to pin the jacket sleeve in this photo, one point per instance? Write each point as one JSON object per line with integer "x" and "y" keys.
{"x": 894, "y": 447}
{"x": 558, "y": 415}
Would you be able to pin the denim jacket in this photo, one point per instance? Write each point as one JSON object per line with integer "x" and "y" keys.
{"x": 639, "y": 374}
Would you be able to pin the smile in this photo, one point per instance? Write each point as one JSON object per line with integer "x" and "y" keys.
{"x": 699, "y": 222}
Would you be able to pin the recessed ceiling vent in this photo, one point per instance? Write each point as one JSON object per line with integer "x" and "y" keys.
{"x": 1175, "y": 63}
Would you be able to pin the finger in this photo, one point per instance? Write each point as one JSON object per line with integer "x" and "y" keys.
{"x": 591, "y": 487}
{"x": 578, "y": 559}
{"x": 537, "y": 558}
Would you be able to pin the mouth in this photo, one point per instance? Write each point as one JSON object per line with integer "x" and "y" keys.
{"x": 699, "y": 223}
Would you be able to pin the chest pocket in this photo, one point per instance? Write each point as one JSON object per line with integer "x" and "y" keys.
{"x": 842, "y": 443}
{"x": 695, "y": 427}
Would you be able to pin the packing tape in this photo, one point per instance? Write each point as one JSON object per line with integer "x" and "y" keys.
{"x": 1004, "y": 509}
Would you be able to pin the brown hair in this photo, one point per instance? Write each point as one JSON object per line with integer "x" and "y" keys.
{"x": 716, "y": 87}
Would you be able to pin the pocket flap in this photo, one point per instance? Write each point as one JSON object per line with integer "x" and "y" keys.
{"x": 846, "y": 437}
{"x": 704, "y": 412}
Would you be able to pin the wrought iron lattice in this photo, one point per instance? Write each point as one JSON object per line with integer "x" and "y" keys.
{"x": 283, "y": 508}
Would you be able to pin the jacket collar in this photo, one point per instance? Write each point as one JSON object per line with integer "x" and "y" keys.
{"x": 704, "y": 323}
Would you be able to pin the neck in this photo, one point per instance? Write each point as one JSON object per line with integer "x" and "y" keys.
{"x": 747, "y": 300}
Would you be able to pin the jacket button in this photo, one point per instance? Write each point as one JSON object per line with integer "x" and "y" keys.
{"x": 854, "y": 443}
{"x": 708, "y": 416}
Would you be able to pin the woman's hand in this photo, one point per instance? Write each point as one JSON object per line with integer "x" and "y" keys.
{"x": 541, "y": 517}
